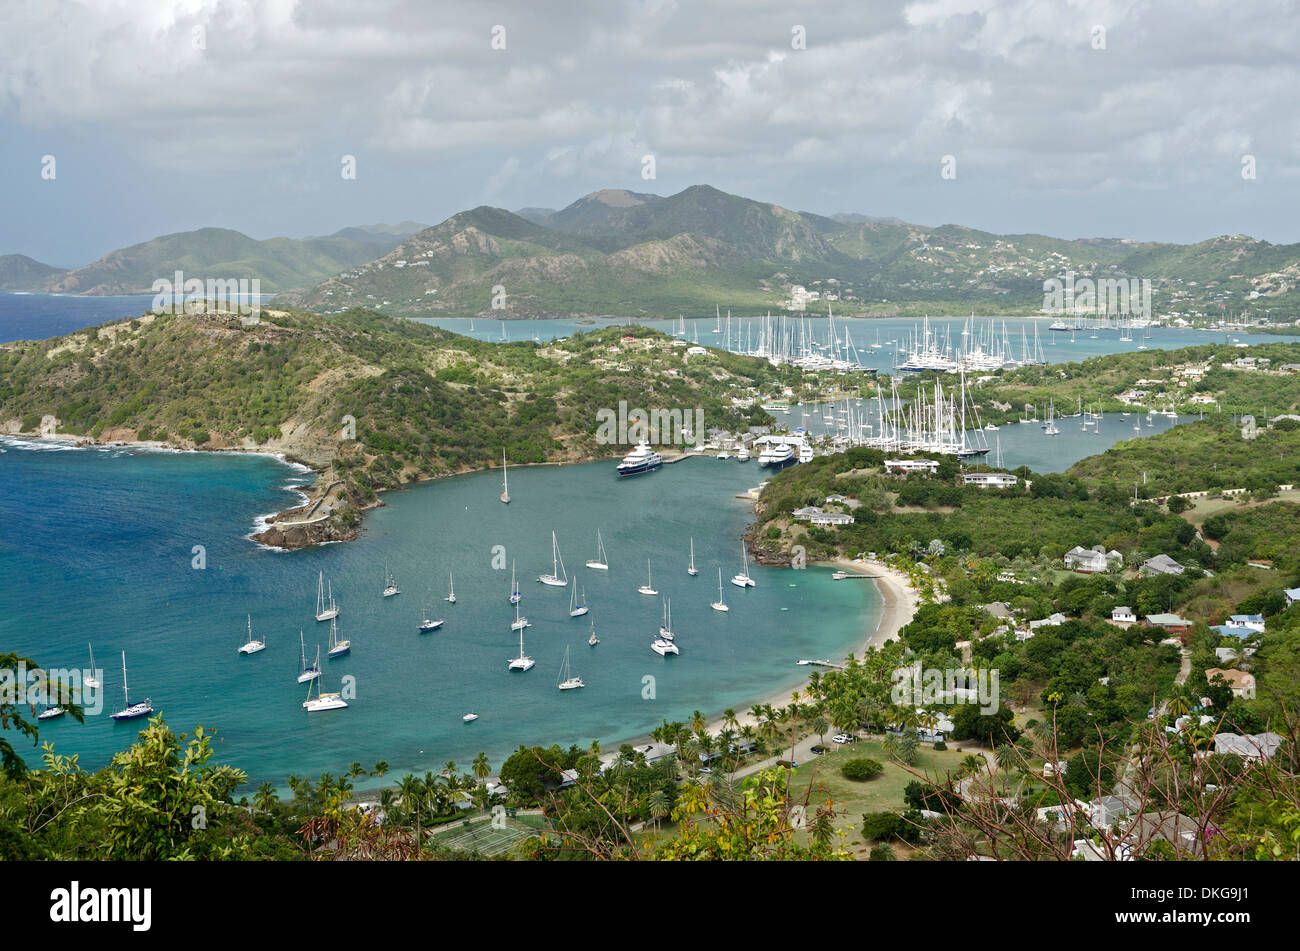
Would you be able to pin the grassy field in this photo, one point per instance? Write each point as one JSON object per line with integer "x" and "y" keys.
{"x": 883, "y": 793}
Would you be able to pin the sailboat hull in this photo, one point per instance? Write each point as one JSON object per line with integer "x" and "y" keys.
{"x": 578, "y": 612}
{"x": 598, "y": 565}
{"x": 553, "y": 581}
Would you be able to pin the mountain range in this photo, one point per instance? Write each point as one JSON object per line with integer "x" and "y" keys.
{"x": 279, "y": 263}
{"x": 635, "y": 254}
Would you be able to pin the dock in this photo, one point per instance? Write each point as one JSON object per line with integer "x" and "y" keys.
{"x": 844, "y": 575}
{"x": 819, "y": 663}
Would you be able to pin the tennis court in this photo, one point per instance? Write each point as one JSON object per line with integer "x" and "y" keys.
{"x": 483, "y": 837}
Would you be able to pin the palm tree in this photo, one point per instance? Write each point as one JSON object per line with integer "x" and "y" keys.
{"x": 698, "y": 722}
{"x": 356, "y": 769}
{"x": 820, "y": 725}
{"x": 658, "y": 804}
{"x": 380, "y": 768}
{"x": 729, "y": 718}
{"x": 265, "y": 798}
{"x": 482, "y": 768}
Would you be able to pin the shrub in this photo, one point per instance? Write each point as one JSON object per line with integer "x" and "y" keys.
{"x": 940, "y": 746}
{"x": 861, "y": 769}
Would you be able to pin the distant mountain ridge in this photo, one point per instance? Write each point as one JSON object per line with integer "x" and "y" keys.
{"x": 278, "y": 263}
{"x": 619, "y": 252}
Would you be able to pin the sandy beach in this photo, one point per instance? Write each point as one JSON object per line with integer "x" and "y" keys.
{"x": 898, "y": 606}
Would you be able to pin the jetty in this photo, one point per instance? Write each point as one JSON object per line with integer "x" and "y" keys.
{"x": 842, "y": 575}
{"x": 819, "y": 663}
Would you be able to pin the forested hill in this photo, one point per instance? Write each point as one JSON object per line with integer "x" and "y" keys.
{"x": 426, "y": 401}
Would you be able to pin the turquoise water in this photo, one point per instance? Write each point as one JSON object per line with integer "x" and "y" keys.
{"x": 97, "y": 547}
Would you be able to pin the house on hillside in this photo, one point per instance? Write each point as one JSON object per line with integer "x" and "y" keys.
{"x": 1123, "y": 615}
{"x": 1254, "y": 622}
{"x": 1241, "y": 683}
{"x": 1092, "y": 560}
{"x": 1162, "y": 565}
{"x": 907, "y": 466}
{"x": 1292, "y": 595}
{"x": 991, "y": 480}
{"x": 1260, "y": 746}
{"x": 1170, "y": 622}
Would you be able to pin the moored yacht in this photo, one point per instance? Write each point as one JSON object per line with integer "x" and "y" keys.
{"x": 776, "y": 456}
{"x": 639, "y": 460}
{"x": 252, "y": 645}
{"x": 663, "y": 648}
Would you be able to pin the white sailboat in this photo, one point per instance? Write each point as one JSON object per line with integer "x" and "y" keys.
{"x": 1051, "y": 429}
{"x": 307, "y": 673}
{"x": 576, "y": 609}
{"x": 523, "y": 661}
{"x": 514, "y": 585}
{"x": 566, "y": 680}
{"x": 51, "y": 713}
{"x": 666, "y": 628}
{"x": 337, "y": 647}
{"x": 505, "y": 479}
{"x": 690, "y": 569}
{"x": 90, "y": 680}
{"x": 252, "y": 645}
{"x": 520, "y": 622}
{"x": 743, "y": 580}
{"x": 390, "y": 584}
{"x": 599, "y": 562}
{"x": 325, "y": 608}
{"x": 593, "y": 640}
{"x": 131, "y": 711}
{"x": 451, "y": 595}
{"x": 426, "y": 623}
{"x": 721, "y": 603}
{"x": 323, "y": 701}
{"x": 648, "y": 587}
{"x": 557, "y": 578}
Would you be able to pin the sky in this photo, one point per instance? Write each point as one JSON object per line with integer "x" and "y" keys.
{"x": 1071, "y": 118}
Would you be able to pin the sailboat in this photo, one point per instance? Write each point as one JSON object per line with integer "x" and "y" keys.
{"x": 593, "y": 640}
{"x": 505, "y": 479}
{"x": 426, "y": 624}
{"x": 566, "y": 679}
{"x": 504, "y": 339}
{"x": 721, "y": 603}
{"x": 323, "y": 701}
{"x": 520, "y": 622}
{"x": 743, "y": 580}
{"x": 131, "y": 711}
{"x": 666, "y": 628}
{"x": 691, "y": 569}
{"x": 50, "y": 713}
{"x": 1051, "y": 429}
{"x": 308, "y": 673}
{"x": 599, "y": 562}
{"x": 523, "y": 661}
{"x": 325, "y": 609}
{"x": 390, "y": 585}
{"x": 451, "y": 595}
{"x": 576, "y": 609}
{"x": 557, "y": 577}
{"x": 337, "y": 647}
{"x": 514, "y": 585}
{"x": 252, "y": 646}
{"x": 90, "y": 680}
{"x": 648, "y": 587}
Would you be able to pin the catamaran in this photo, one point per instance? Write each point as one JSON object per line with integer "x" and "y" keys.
{"x": 691, "y": 569}
{"x": 514, "y": 585}
{"x": 576, "y": 609}
{"x": 648, "y": 587}
{"x": 323, "y": 701}
{"x": 663, "y": 648}
{"x": 523, "y": 661}
{"x": 427, "y": 624}
{"x": 505, "y": 479}
{"x": 390, "y": 584}
{"x": 90, "y": 680}
{"x": 451, "y": 595}
{"x": 593, "y": 640}
{"x": 520, "y": 622}
{"x": 567, "y": 681}
{"x": 721, "y": 603}
{"x": 743, "y": 580}
{"x": 557, "y": 578}
{"x": 599, "y": 562}
{"x": 337, "y": 647}
{"x": 252, "y": 646}
{"x": 325, "y": 608}
{"x": 131, "y": 711}
{"x": 308, "y": 673}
